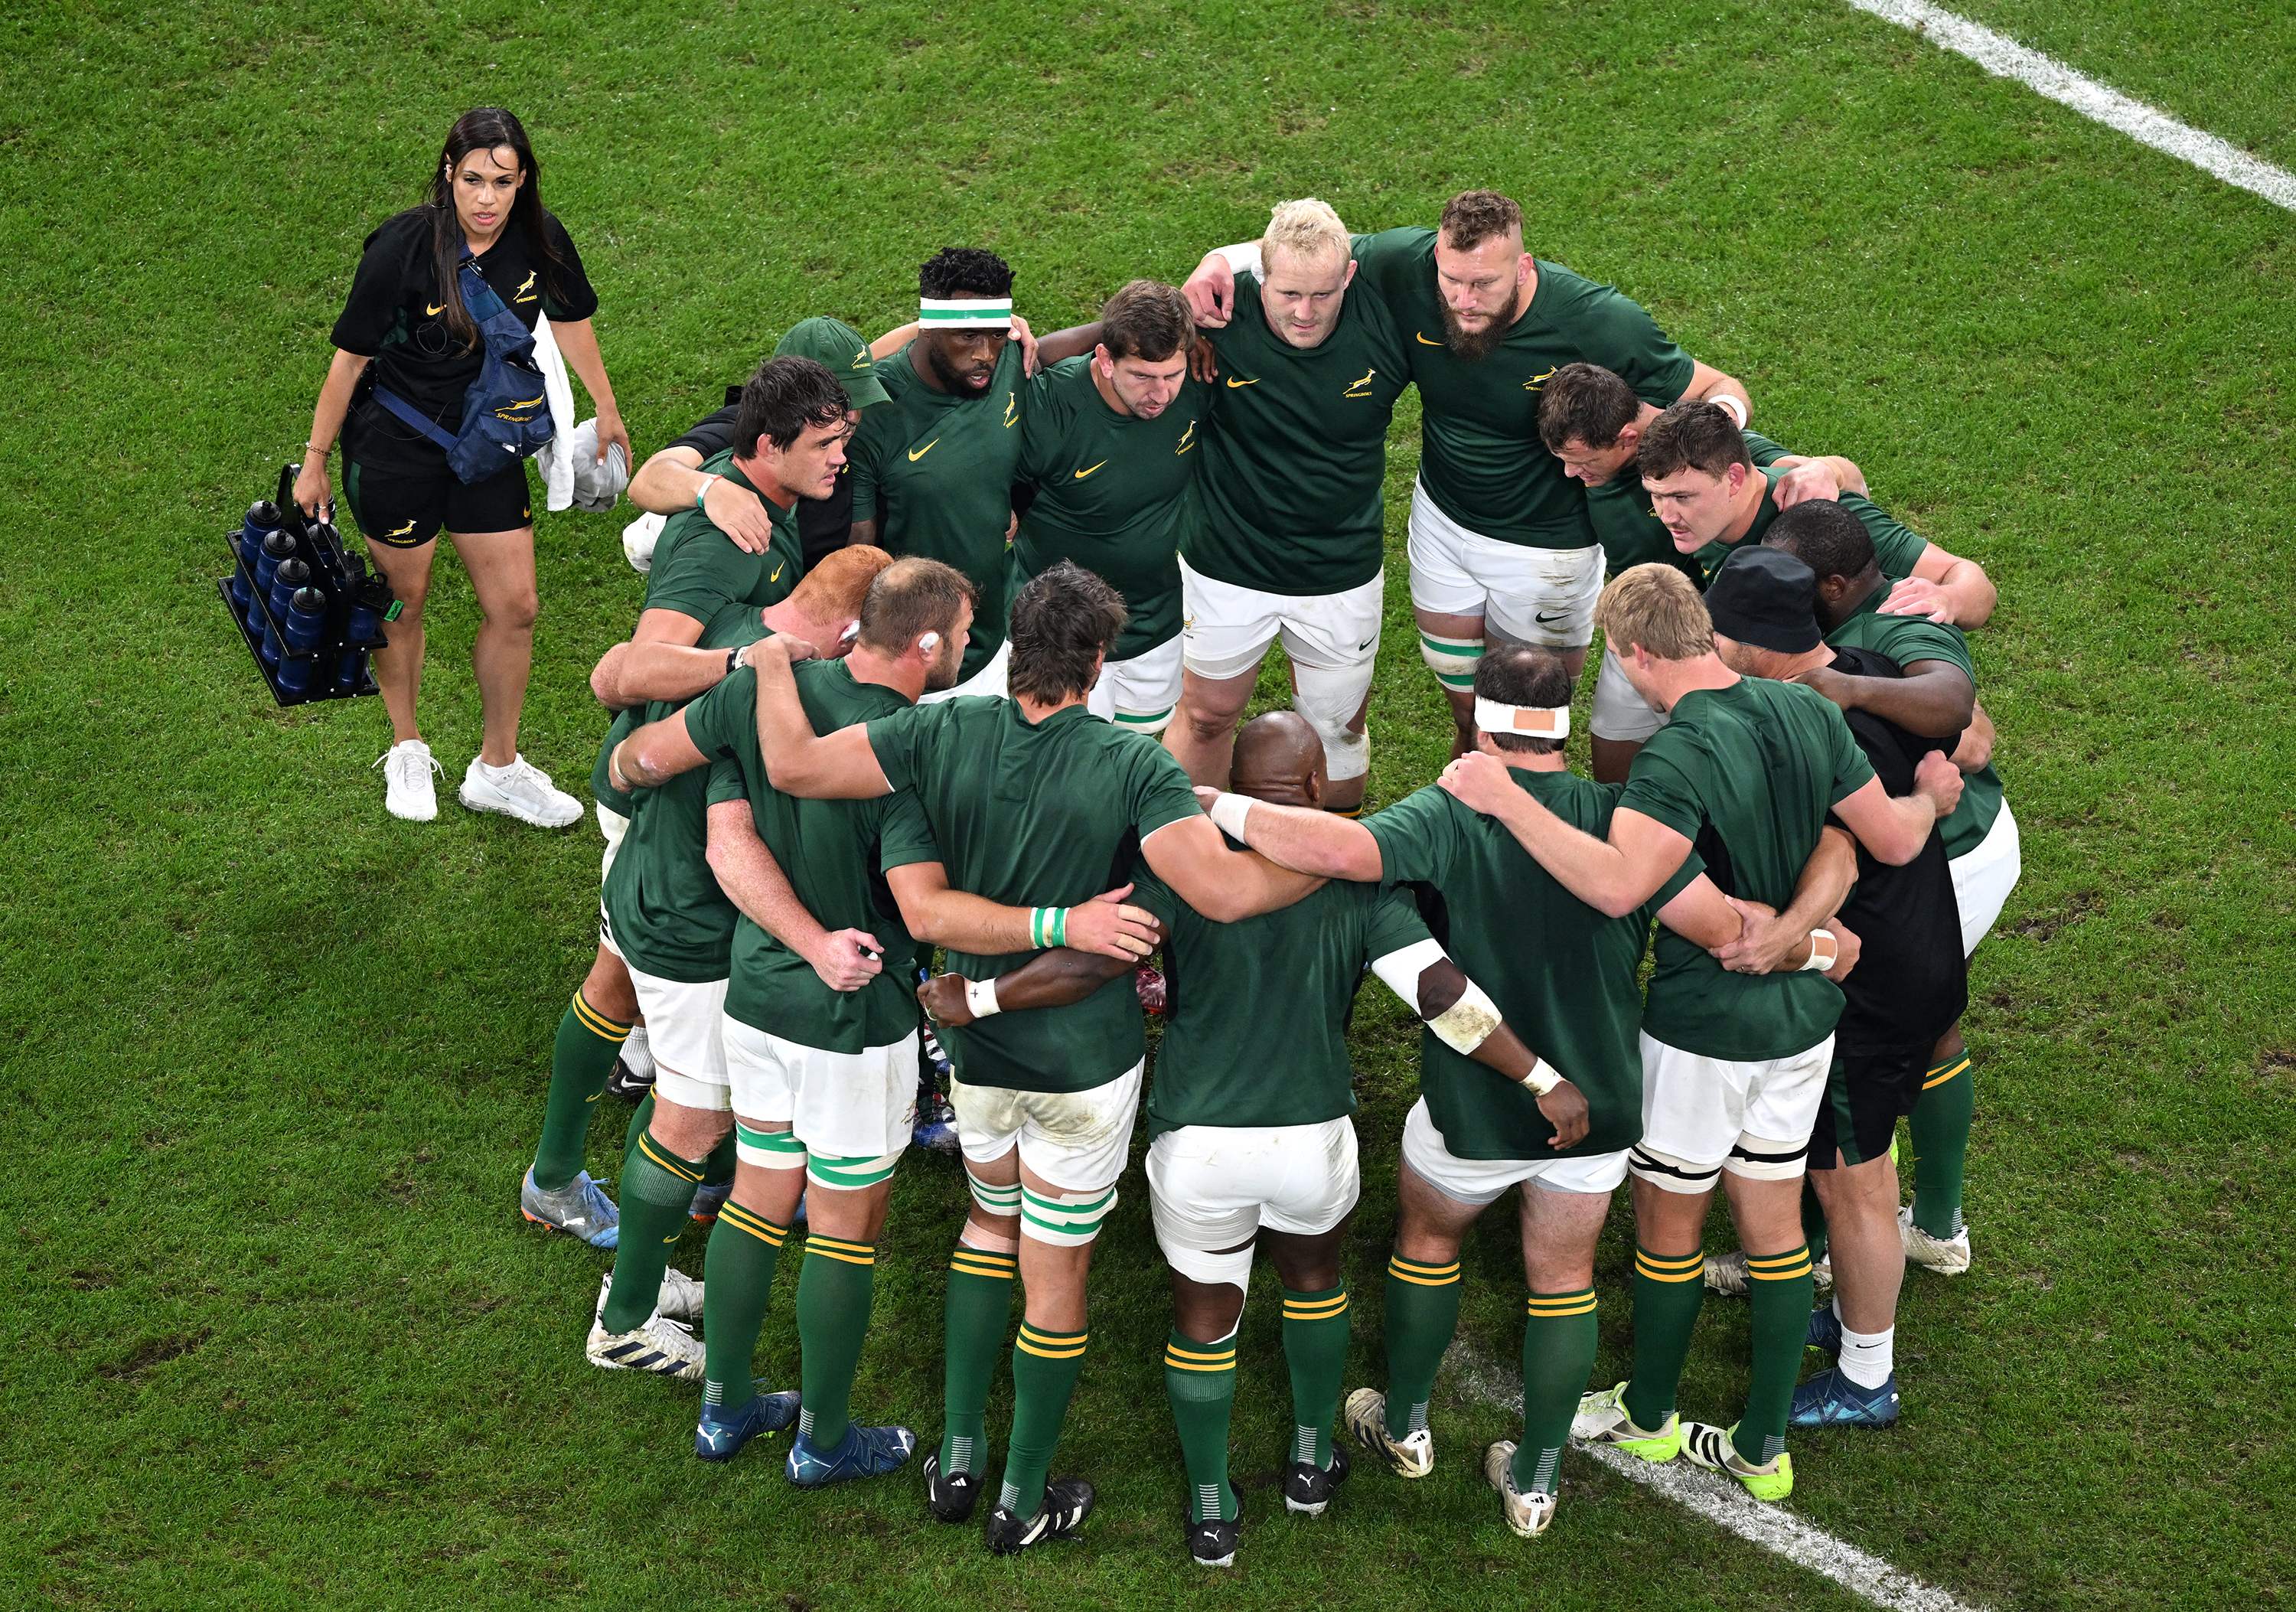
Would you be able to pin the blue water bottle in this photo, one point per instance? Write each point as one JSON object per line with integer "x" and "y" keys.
{"x": 286, "y": 579}
{"x": 270, "y": 644}
{"x": 243, "y": 587}
{"x": 277, "y": 546}
{"x": 350, "y": 669}
{"x": 262, "y": 521}
{"x": 307, "y": 619}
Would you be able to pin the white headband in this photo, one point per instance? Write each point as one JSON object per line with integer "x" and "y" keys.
{"x": 1524, "y": 721}
{"x": 964, "y": 313}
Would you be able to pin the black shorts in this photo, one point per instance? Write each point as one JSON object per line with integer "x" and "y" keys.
{"x": 1866, "y": 1093}
{"x": 398, "y": 489}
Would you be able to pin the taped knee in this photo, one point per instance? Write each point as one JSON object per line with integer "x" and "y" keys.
{"x": 1669, "y": 1174}
{"x": 1065, "y": 1220}
{"x": 769, "y": 1150}
{"x": 1756, "y": 1158}
{"x": 1329, "y": 699}
{"x": 1453, "y": 660}
{"x": 1213, "y": 1269}
{"x": 997, "y": 1203}
{"x": 840, "y": 1174}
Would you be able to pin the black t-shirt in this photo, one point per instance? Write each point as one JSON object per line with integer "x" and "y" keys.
{"x": 1911, "y": 981}
{"x": 396, "y": 313}
{"x": 823, "y": 524}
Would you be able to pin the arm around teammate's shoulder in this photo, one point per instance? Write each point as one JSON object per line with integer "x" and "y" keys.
{"x": 1614, "y": 877}
{"x": 1226, "y": 886}
{"x": 1299, "y": 837}
{"x": 839, "y": 766}
{"x": 1895, "y": 828}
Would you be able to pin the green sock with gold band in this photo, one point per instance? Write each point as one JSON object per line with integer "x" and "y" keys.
{"x": 1315, "y": 1350}
{"x": 737, "y": 1272}
{"x": 1199, "y": 1380}
{"x": 1779, "y": 1290}
{"x": 835, "y": 1287}
{"x": 1942, "y": 1116}
{"x": 980, "y": 1302}
{"x": 1045, "y": 1366}
{"x": 1558, "y": 1356}
{"x": 657, "y": 1190}
{"x": 1422, "y": 1312}
{"x": 581, "y": 1059}
{"x": 1669, "y": 1291}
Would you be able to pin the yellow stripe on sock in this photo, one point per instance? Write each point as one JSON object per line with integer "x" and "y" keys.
{"x": 1562, "y": 1304}
{"x": 1180, "y": 1365}
{"x": 1042, "y": 1352}
{"x": 839, "y": 1254}
{"x": 971, "y": 1268}
{"x": 1780, "y": 1276}
{"x": 1938, "y": 1076}
{"x": 1399, "y": 1264}
{"x": 755, "y": 1224}
{"x": 1423, "y": 1281}
{"x": 1690, "y": 1275}
{"x": 597, "y": 1024}
{"x": 818, "y": 1240}
{"x": 1670, "y": 1262}
{"x": 1585, "y": 1307}
{"x": 1317, "y": 1310}
{"x": 1227, "y": 1353}
{"x": 1755, "y": 1262}
{"x": 682, "y": 1171}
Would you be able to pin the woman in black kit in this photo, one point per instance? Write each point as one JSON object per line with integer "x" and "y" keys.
{"x": 406, "y": 330}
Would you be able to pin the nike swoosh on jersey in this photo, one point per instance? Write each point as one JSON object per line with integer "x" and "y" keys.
{"x": 434, "y": 310}
{"x": 1233, "y": 382}
{"x": 918, "y": 453}
{"x": 778, "y": 573}
{"x": 1081, "y": 474}
{"x": 1423, "y": 341}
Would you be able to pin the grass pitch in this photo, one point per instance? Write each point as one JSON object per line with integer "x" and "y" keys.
{"x": 274, "y": 1061}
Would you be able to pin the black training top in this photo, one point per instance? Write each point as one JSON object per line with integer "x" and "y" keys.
{"x": 397, "y": 313}
{"x": 1911, "y": 981}
{"x": 823, "y": 524}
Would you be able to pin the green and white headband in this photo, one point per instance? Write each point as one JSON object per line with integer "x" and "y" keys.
{"x": 964, "y": 313}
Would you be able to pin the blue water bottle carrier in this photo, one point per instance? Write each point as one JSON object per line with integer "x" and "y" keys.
{"x": 310, "y": 637}
{"x": 506, "y": 413}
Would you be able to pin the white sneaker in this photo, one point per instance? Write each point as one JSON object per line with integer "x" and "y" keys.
{"x": 664, "y": 1347}
{"x": 1365, "y": 1416}
{"x": 520, "y": 790}
{"x": 1527, "y": 1513}
{"x": 680, "y": 1300}
{"x": 407, "y": 791}
{"x": 1947, "y": 1256}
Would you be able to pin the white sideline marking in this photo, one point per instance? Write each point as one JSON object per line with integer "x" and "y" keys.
{"x": 2005, "y": 58}
{"x": 1727, "y": 1506}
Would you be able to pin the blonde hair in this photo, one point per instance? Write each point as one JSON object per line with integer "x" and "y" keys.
{"x": 832, "y": 590}
{"x": 1308, "y": 228}
{"x": 1656, "y": 606}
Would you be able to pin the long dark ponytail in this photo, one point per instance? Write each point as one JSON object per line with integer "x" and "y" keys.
{"x": 485, "y": 128}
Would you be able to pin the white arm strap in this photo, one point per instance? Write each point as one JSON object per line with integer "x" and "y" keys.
{"x": 1242, "y": 259}
{"x": 1463, "y": 1026}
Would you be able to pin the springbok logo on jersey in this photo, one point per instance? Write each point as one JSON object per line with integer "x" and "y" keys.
{"x": 1360, "y": 388}
{"x": 1538, "y": 380}
{"x": 1187, "y": 439}
{"x": 525, "y": 291}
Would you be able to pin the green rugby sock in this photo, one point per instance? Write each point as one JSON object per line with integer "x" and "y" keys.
{"x": 835, "y": 1288}
{"x": 1316, "y": 1349}
{"x": 657, "y": 1188}
{"x": 641, "y": 1118}
{"x": 581, "y": 1058}
{"x": 718, "y": 1169}
{"x": 980, "y": 1302}
{"x": 1200, "y": 1379}
{"x": 1942, "y": 1116}
{"x": 737, "y": 1282}
{"x": 1813, "y": 1219}
{"x": 1780, "y": 1290}
{"x": 1422, "y": 1312}
{"x": 1667, "y": 1293}
{"x": 1558, "y": 1356}
{"x": 1045, "y": 1370}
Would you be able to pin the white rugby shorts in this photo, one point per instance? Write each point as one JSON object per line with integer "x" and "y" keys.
{"x": 1620, "y": 712}
{"x": 611, "y": 827}
{"x": 1983, "y": 877}
{"x": 1228, "y": 629}
{"x": 1075, "y": 1140}
{"x": 1480, "y": 1181}
{"x": 1141, "y": 692}
{"x": 1701, "y": 1115}
{"x": 843, "y": 1105}
{"x": 990, "y": 679}
{"x": 1212, "y": 1187}
{"x": 681, "y": 1021}
{"x": 1542, "y": 596}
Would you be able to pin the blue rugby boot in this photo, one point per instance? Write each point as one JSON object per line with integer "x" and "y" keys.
{"x": 719, "y": 1435}
{"x": 1824, "y": 1330}
{"x": 861, "y": 1453}
{"x": 1831, "y": 1400}
{"x": 581, "y": 1208}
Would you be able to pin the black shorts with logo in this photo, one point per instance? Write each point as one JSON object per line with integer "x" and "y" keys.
{"x": 400, "y": 490}
{"x": 1866, "y": 1093}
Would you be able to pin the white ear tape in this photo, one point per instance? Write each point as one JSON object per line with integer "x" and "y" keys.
{"x": 930, "y": 642}
{"x": 852, "y": 631}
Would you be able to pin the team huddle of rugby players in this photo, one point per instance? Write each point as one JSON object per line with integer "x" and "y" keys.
{"x": 945, "y": 646}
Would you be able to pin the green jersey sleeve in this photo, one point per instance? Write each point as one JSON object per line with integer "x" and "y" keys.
{"x": 904, "y": 837}
{"x": 1395, "y": 922}
{"x": 862, "y": 460}
{"x": 1155, "y": 896}
{"x": 1392, "y": 260}
{"x": 716, "y": 718}
{"x": 1160, "y": 792}
{"x": 1663, "y": 785}
{"x": 1852, "y": 770}
{"x": 900, "y": 741}
{"x": 725, "y": 782}
{"x": 701, "y": 571}
{"x": 1896, "y": 547}
{"x": 1043, "y": 425}
{"x": 1418, "y": 837}
{"x": 1618, "y": 333}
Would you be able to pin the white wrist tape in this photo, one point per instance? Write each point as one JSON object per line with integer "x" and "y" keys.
{"x": 1229, "y": 812}
{"x": 981, "y": 998}
{"x": 1723, "y": 399}
{"x": 1544, "y": 1077}
{"x": 1824, "y": 951}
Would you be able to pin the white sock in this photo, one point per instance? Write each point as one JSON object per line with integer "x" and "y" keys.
{"x": 1867, "y": 1358}
{"x": 636, "y": 1056}
{"x": 493, "y": 771}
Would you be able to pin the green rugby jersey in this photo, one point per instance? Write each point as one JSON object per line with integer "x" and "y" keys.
{"x": 1046, "y": 814}
{"x": 1906, "y": 639}
{"x": 663, "y": 907}
{"x": 834, "y": 854}
{"x": 1255, "y": 1030}
{"x": 935, "y": 472}
{"x": 1114, "y": 494}
{"x": 699, "y": 571}
{"x": 1565, "y": 978}
{"x": 1747, "y": 774}
{"x": 1481, "y": 459}
{"x": 1294, "y": 465}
